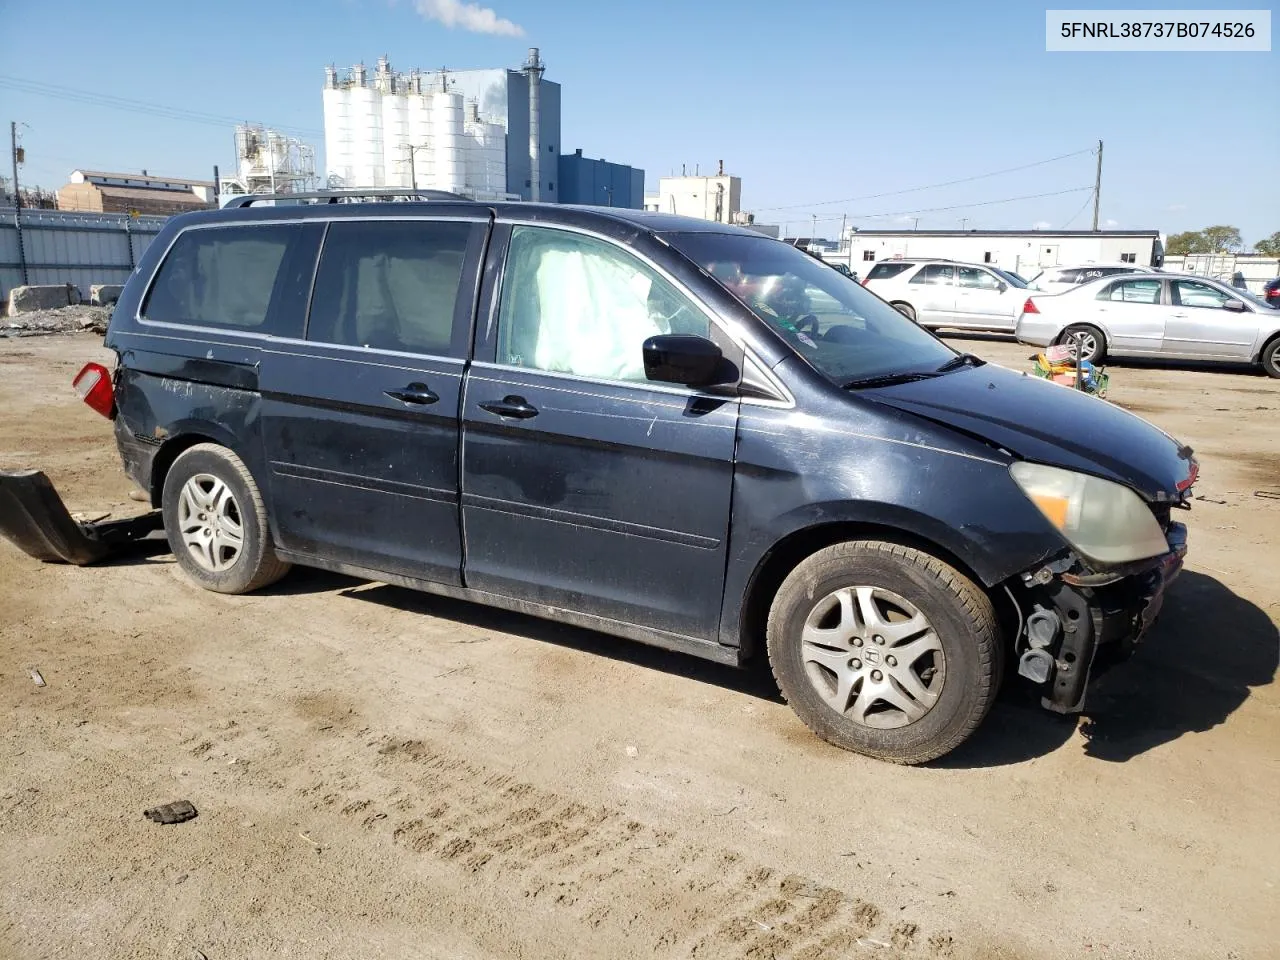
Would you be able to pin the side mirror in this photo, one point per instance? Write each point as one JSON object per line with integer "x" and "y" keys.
{"x": 681, "y": 358}
{"x": 1002, "y": 286}
{"x": 1235, "y": 306}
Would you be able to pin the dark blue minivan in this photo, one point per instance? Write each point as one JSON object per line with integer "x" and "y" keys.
{"x": 665, "y": 429}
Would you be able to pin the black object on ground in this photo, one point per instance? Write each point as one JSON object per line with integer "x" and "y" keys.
{"x": 179, "y": 811}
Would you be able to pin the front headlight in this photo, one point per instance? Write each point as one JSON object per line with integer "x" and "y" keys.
{"x": 1105, "y": 521}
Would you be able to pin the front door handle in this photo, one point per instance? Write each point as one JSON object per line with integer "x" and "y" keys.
{"x": 511, "y": 406}
{"x": 416, "y": 393}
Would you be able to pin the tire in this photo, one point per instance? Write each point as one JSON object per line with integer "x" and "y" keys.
{"x": 1271, "y": 357}
{"x": 906, "y": 310}
{"x": 216, "y": 522}
{"x": 959, "y": 679}
{"x": 1092, "y": 335}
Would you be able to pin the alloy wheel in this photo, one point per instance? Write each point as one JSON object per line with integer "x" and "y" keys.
{"x": 873, "y": 657}
{"x": 209, "y": 520}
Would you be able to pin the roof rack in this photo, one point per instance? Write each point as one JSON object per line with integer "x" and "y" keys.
{"x": 346, "y": 196}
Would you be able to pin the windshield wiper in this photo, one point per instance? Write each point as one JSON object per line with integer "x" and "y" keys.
{"x": 960, "y": 360}
{"x": 888, "y": 379}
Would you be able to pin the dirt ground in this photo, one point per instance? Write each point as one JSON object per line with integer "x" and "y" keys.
{"x": 381, "y": 773}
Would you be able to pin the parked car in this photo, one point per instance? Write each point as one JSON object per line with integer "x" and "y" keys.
{"x": 943, "y": 293}
{"x": 1271, "y": 292}
{"x": 1058, "y": 279}
{"x": 664, "y": 429}
{"x": 1164, "y": 315}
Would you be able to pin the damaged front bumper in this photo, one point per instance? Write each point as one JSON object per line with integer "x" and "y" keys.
{"x": 35, "y": 520}
{"x": 1077, "y": 620}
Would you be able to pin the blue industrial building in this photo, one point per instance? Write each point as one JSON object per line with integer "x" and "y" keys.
{"x": 599, "y": 183}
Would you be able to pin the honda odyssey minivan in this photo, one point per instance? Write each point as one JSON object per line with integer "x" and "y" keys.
{"x": 665, "y": 429}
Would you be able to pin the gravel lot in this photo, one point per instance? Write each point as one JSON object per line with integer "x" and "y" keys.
{"x": 381, "y": 773}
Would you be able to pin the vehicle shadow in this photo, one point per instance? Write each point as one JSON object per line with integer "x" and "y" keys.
{"x": 754, "y": 680}
{"x": 1196, "y": 667}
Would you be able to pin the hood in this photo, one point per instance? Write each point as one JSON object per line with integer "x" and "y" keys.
{"x": 1047, "y": 423}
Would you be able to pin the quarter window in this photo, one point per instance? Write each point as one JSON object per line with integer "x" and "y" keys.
{"x": 390, "y": 285}
{"x": 577, "y": 305}
{"x": 1132, "y": 291}
{"x": 223, "y": 277}
{"x": 935, "y": 273}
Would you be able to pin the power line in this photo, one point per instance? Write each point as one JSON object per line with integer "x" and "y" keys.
{"x": 1083, "y": 207}
{"x": 931, "y": 186}
{"x": 965, "y": 206}
{"x": 135, "y": 106}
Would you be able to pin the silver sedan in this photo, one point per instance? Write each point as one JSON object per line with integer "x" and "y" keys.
{"x": 1171, "y": 316}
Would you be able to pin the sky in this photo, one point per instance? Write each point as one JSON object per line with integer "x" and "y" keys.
{"x": 811, "y": 103}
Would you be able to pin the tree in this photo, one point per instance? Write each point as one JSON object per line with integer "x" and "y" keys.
{"x": 1181, "y": 244}
{"x": 1270, "y": 247}
{"x": 1219, "y": 239}
{"x": 1222, "y": 239}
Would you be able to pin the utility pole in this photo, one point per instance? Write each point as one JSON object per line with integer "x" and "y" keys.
{"x": 1097, "y": 187}
{"x": 963, "y": 221}
{"x": 13, "y": 147}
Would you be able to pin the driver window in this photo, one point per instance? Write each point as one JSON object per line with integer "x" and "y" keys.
{"x": 977, "y": 279}
{"x": 574, "y": 304}
{"x": 1191, "y": 293}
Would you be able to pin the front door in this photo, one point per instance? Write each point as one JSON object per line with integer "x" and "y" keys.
{"x": 360, "y": 420}
{"x": 584, "y": 485}
{"x": 981, "y": 300}
{"x": 1200, "y": 325}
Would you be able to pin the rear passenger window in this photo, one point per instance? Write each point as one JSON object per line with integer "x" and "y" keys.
{"x": 390, "y": 285}
{"x": 937, "y": 273}
{"x": 1133, "y": 291}
{"x": 222, "y": 277}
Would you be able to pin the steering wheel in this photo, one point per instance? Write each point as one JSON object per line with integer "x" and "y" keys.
{"x": 808, "y": 324}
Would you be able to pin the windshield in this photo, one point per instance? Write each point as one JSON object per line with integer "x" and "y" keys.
{"x": 839, "y": 327}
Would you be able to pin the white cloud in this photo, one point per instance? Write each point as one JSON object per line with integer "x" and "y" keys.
{"x": 1175, "y": 207}
{"x": 1110, "y": 223}
{"x": 468, "y": 16}
{"x": 1041, "y": 225}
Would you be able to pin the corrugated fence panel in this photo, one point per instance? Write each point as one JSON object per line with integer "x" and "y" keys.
{"x": 78, "y": 248}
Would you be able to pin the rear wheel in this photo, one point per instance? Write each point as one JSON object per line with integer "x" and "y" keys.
{"x": 216, "y": 522}
{"x": 884, "y": 650}
{"x": 906, "y": 310}
{"x": 1093, "y": 344}
{"x": 1271, "y": 357}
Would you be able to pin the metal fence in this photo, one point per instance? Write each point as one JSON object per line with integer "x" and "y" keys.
{"x": 55, "y": 246}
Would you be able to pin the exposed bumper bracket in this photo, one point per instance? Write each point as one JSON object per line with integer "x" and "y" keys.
{"x": 34, "y": 519}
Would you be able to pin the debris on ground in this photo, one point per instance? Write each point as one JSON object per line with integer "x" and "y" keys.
{"x": 38, "y": 323}
{"x": 180, "y": 811}
{"x": 38, "y": 678}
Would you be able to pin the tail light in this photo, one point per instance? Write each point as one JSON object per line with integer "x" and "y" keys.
{"x": 1030, "y": 306}
{"x": 93, "y": 384}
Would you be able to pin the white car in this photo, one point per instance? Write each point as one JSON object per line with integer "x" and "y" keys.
{"x": 1059, "y": 279}
{"x": 1171, "y": 316}
{"x": 943, "y": 293}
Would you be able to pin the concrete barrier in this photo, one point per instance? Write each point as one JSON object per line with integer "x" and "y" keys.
{"x": 48, "y": 297}
{"x": 102, "y": 294}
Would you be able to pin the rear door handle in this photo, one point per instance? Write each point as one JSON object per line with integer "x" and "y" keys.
{"x": 416, "y": 393}
{"x": 511, "y": 406}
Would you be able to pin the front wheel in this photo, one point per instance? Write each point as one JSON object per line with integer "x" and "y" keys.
{"x": 216, "y": 522}
{"x": 884, "y": 650}
{"x": 1271, "y": 357}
